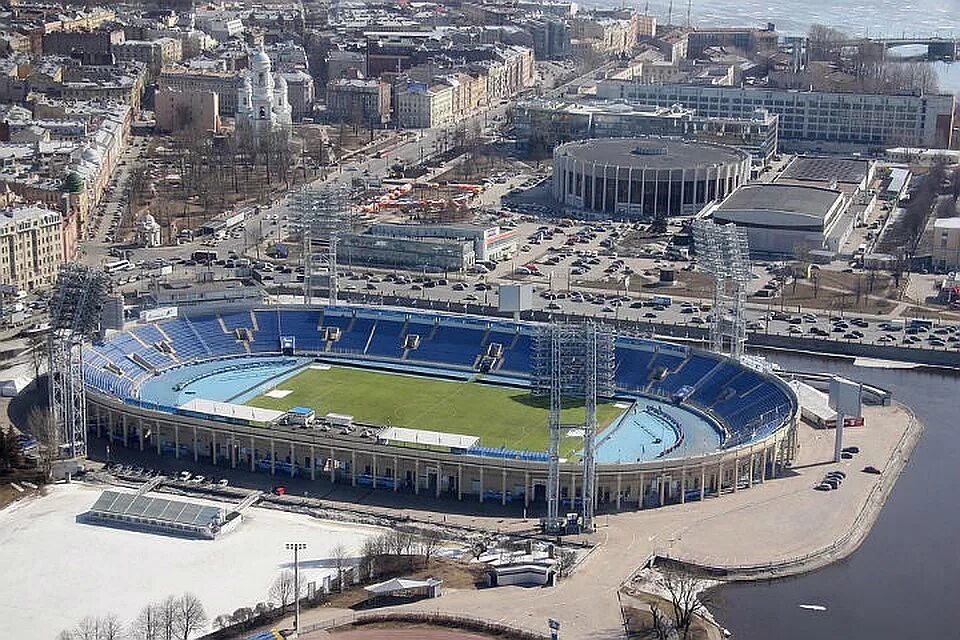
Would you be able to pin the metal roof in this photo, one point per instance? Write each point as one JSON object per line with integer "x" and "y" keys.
{"x": 174, "y": 511}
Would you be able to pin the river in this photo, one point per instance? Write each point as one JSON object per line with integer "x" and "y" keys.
{"x": 904, "y": 581}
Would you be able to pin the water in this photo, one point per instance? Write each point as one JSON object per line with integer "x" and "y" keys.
{"x": 854, "y": 17}
{"x": 905, "y": 580}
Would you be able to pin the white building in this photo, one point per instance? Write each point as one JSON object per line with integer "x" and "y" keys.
{"x": 946, "y": 243}
{"x": 422, "y": 107}
{"x": 262, "y": 101}
{"x": 148, "y": 231}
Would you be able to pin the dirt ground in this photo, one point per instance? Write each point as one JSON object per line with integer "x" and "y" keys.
{"x": 416, "y": 632}
{"x": 455, "y": 575}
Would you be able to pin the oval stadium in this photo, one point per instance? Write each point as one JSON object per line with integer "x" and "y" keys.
{"x": 643, "y": 177}
{"x": 432, "y": 404}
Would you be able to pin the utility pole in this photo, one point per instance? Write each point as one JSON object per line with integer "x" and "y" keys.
{"x": 296, "y": 547}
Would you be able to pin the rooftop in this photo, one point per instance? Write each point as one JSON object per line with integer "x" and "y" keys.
{"x": 827, "y": 170}
{"x": 790, "y": 198}
{"x": 650, "y": 152}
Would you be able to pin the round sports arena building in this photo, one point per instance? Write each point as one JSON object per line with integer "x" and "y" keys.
{"x": 645, "y": 177}
{"x": 430, "y": 403}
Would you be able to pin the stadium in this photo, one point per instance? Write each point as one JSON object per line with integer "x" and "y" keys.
{"x": 433, "y": 404}
{"x": 645, "y": 177}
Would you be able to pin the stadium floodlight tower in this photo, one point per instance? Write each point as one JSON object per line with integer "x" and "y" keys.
{"x": 724, "y": 253}
{"x": 323, "y": 214}
{"x": 573, "y": 362}
{"x": 74, "y": 317}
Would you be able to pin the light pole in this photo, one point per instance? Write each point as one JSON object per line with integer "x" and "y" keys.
{"x": 296, "y": 547}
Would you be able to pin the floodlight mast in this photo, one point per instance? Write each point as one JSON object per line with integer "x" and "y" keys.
{"x": 723, "y": 251}
{"x": 74, "y": 317}
{"x": 323, "y": 214}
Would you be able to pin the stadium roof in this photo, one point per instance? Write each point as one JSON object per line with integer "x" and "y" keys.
{"x": 665, "y": 153}
{"x": 229, "y": 410}
{"x": 431, "y": 438}
{"x": 827, "y": 170}
{"x": 173, "y": 511}
{"x": 778, "y": 205}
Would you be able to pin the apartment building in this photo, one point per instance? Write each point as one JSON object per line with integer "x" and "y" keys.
{"x": 31, "y": 246}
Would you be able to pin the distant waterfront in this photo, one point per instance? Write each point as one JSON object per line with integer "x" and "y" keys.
{"x": 791, "y": 17}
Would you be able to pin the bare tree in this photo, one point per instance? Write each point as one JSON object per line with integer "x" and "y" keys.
{"x": 40, "y": 423}
{"x": 148, "y": 624}
{"x": 565, "y": 562}
{"x": 430, "y": 543}
{"x": 339, "y": 554}
{"x": 222, "y": 621}
{"x": 190, "y": 616}
{"x": 283, "y": 590}
{"x": 110, "y": 628}
{"x": 93, "y": 628}
{"x": 168, "y": 618}
{"x": 241, "y": 615}
{"x": 661, "y": 623}
{"x": 684, "y": 590}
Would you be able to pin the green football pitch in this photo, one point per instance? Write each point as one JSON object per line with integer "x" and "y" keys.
{"x": 499, "y": 416}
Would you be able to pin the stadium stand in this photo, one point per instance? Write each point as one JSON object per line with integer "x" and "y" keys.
{"x": 747, "y": 403}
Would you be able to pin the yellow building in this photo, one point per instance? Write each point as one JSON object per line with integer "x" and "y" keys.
{"x": 31, "y": 247}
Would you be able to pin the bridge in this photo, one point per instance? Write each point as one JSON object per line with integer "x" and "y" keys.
{"x": 946, "y": 49}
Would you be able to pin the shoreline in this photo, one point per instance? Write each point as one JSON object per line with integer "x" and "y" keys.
{"x": 849, "y": 541}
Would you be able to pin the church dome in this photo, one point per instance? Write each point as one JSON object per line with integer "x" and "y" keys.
{"x": 260, "y": 61}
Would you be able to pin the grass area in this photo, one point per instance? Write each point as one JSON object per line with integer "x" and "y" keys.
{"x": 499, "y": 416}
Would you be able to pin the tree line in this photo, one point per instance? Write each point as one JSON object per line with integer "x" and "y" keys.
{"x": 172, "y": 618}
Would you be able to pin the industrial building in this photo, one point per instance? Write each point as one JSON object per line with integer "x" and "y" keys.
{"x": 645, "y": 177}
{"x": 786, "y": 219}
{"x": 946, "y": 244}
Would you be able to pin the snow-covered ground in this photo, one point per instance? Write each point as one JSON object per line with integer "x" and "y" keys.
{"x": 55, "y": 571}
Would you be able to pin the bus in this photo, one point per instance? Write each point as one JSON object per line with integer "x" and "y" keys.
{"x": 116, "y": 266}
{"x": 203, "y": 257}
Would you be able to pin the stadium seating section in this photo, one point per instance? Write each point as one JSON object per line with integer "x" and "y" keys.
{"x": 747, "y": 403}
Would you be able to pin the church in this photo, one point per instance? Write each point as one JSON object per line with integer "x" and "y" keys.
{"x": 262, "y": 100}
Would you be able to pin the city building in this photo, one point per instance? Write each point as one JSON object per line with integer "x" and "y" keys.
{"x": 154, "y": 54}
{"x": 946, "y": 244}
{"x": 148, "y": 231}
{"x": 422, "y": 106}
{"x": 89, "y": 47}
{"x": 31, "y": 246}
{"x": 543, "y": 124}
{"x": 811, "y": 119}
{"x": 187, "y": 111}
{"x": 787, "y": 220}
{"x": 645, "y": 177}
{"x": 300, "y": 94}
{"x": 360, "y": 101}
{"x": 749, "y": 40}
{"x": 185, "y": 80}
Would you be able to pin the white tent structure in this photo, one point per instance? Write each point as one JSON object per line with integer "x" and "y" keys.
{"x": 406, "y": 587}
